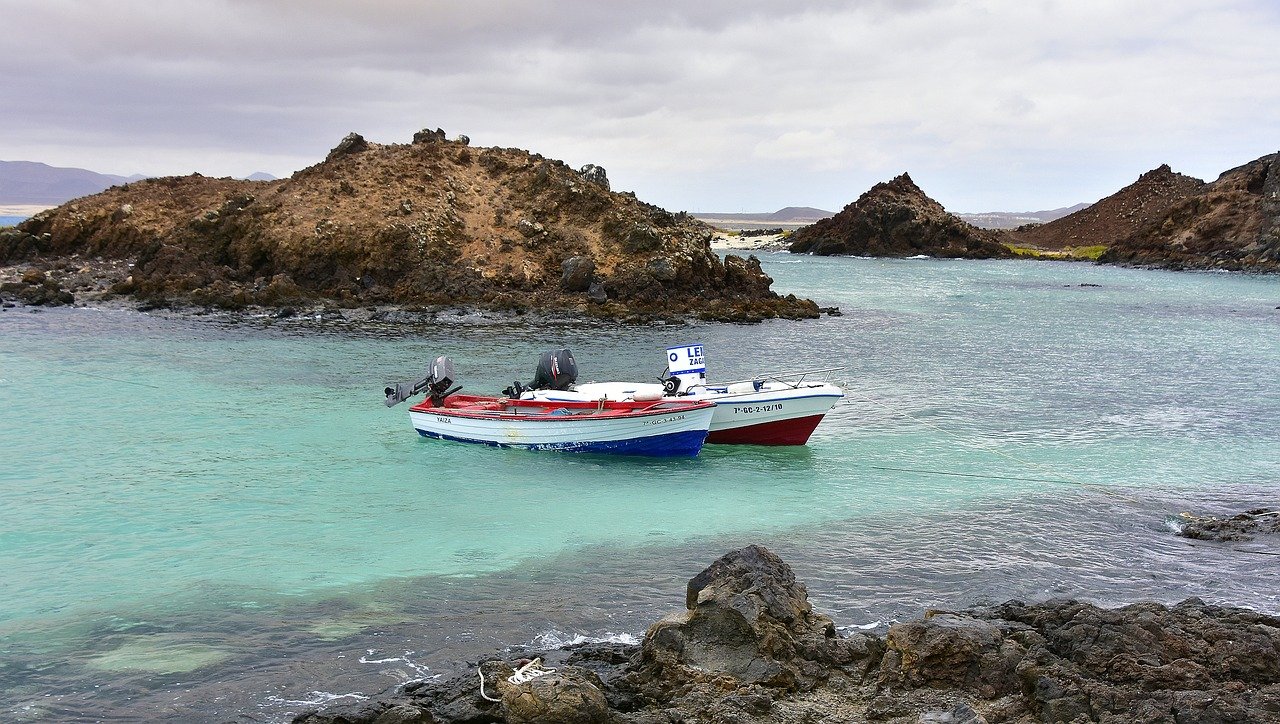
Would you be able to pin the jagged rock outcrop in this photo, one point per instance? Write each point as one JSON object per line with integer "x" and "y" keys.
{"x": 747, "y": 618}
{"x": 1232, "y": 224}
{"x": 896, "y": 218}
{"x": 434, "y": 222}
{"x": 749, "y": 648}
{"x": 1121, "y": 214}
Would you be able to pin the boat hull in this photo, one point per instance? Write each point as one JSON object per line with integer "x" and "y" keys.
{"x": 677, "y": 432}
{"x": 774, "y": 415}
{"x": 676, "y": 444}
{"x": 775, "y": 421}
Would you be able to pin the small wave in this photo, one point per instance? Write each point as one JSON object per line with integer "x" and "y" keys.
{"x": 559, "y": 639}
{"x": 421, "y": 670}
{"x": 919, "y": 256}
{"x": 860, "y": 626}
{"x": 318, "y": 698}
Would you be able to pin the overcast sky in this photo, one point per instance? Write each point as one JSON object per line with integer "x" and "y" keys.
{"x": 698, "y": 105}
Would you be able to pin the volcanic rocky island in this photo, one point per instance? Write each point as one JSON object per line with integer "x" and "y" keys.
{"x": 428, "y": 224}
{"x": 1162, "y": 220}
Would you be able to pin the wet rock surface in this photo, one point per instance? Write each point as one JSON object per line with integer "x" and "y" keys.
{"x": 748, "y": 647}
{"x": 1240, "y": 527}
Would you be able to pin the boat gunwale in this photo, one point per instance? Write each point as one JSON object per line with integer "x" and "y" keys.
{"x": 588, "y": 410}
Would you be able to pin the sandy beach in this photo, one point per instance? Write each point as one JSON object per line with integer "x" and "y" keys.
{"x": 726, "y": 240}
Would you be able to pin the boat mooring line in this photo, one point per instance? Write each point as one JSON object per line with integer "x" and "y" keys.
{"x": 1064, "y": 479}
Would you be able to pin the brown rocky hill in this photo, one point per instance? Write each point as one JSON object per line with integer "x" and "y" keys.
{"x": 1233, "y": 223}
{"x": 433, "y": 222}
{"x": 1123, "y": 213}
{"x": 897, "y": 219}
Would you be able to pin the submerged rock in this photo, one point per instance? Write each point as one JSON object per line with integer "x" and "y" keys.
{"x": 1241, "y": 527}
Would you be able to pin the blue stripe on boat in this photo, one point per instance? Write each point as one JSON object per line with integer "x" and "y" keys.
{"x": 672, "y": 444}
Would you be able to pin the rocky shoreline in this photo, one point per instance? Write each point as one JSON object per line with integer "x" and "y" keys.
{"x": 95, "y": 282}
{"x": 749, "y": 647}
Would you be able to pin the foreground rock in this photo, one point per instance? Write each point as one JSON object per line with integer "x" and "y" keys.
{"x": 434, "y": 222}
{"x": 897, "y": 219}
{"x": 1231, "y": 224}
{"x": 749, "y": 648}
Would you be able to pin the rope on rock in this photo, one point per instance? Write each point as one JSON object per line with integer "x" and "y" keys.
{"x": 528, "y": 672}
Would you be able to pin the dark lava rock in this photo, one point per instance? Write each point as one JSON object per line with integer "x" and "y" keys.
{"x": 1242, "y": 527}
{"x": 897, "y": 219}
{"x": 36, "y": 288}
{"x": 749, "y": 648}
{"x": 577, "y": 274}
{"x": 748, "y": 618}
{"x": 592, "y": 173}
{"x": 597, "y": 294}
{"x": 429, "y": 136}
{"x": 351, "y": 143}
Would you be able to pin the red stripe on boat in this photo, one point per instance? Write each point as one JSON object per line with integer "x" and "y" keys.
{"x": 795, "y": 431}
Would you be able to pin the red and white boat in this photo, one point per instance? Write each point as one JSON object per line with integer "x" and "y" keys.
{"x": 775, "y": 409}
{"x": 661, "y": 428}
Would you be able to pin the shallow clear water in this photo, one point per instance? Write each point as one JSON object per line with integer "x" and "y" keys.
{"x": 213, "y": 521}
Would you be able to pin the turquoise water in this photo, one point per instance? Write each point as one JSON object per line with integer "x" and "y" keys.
{"x": 206, "y": 520}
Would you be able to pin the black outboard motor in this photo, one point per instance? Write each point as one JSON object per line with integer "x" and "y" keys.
{"x": 557, "y": 370}
{"x": 436, "y": 382}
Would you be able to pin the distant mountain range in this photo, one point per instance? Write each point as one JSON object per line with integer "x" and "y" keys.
{"x": 27, "y": 182}
{"x": 39, "y": 184}
{"x": 797, "y": 216}
{"x": 1014, "y": 219}
{"x": 792, "y": 214}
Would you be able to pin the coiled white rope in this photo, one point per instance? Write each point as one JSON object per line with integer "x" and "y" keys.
{"x": 523, "y": 675}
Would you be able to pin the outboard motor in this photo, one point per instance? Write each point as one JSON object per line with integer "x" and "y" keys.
{"x": 436, "y": 383}
{"x": 686, "y": 367}
{"x": 557, "y": 370}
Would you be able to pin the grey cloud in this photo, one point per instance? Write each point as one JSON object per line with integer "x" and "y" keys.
{"x": 709, "y": 104}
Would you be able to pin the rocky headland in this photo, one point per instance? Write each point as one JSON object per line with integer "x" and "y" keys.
{"x": 434, "y": 222}
{"x": 749, "y": 647}
{"x": 1114, "y": 218}
{"x": 1232, "y": 223}
{"x": 897, "y": 219}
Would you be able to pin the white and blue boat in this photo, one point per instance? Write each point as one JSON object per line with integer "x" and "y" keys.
{"x": 663, "y": 428}
{"x": 660, "y": 428}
